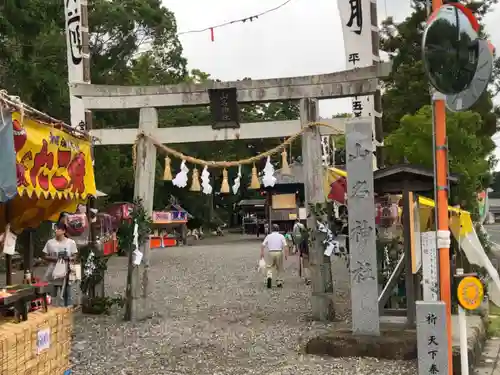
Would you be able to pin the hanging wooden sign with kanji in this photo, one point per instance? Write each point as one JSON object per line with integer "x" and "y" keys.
{"x": 224, "y": 108}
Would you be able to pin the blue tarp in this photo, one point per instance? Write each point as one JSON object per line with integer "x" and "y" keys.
{"x": 8, "y": 176}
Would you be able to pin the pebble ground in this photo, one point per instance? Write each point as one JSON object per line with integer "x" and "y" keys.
{"x": 214, "y": 316}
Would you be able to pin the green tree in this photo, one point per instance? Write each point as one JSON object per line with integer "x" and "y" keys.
{"x": 33, "y": 48}
{"x": 407, "y": 87}
{"x": 468, "y": 158}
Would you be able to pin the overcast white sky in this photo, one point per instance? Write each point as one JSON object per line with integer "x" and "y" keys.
{"x": 302, "y": 38}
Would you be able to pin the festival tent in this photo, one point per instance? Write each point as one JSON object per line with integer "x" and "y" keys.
{"x": 461, "y": 226}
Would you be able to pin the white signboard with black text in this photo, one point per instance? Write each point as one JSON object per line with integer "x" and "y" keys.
{"x": 429, "y": 266}
{"x": 355, "y": 16}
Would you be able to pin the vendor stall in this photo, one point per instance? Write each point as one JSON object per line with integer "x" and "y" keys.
{"x": 285, "y": 201}
{"x": 169, "y": 226}
{"x": 45, "y": 170}
{"x": 106, "y": 242}
{"x": 50, "y": 171}
{"x": 252, "y": 215}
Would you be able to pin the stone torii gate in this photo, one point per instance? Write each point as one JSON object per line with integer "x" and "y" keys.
{"x": 307, "y": 89}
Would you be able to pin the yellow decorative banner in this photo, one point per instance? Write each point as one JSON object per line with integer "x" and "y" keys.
{"x": 51, "y": 163}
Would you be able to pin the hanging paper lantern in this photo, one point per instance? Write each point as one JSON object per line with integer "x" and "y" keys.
{"x": 225, "y": 183}
{"x": 167, "y": 173}
{"x": 254, "y": 183}
{"x": 285, "y": 168}
{"x": 195, "y": 184}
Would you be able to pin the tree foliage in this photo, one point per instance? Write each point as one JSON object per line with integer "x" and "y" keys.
{"x": 407, "y": 87}
{"x": 467, "y": 157}
{"x": 407, "y": 115}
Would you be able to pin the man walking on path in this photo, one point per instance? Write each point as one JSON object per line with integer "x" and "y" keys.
{"x": 300, "y": 240}
{"x": 277, "y": 248}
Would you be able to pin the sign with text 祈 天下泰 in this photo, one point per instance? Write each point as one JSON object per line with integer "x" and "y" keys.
{"x": 432, "y": 341}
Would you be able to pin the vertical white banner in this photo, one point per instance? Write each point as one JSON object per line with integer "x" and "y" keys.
{"x": 73, "y": 16}
{"x": 355, "y": 16}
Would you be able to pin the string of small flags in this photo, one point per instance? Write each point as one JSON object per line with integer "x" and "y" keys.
{"x": 240, "y": 20}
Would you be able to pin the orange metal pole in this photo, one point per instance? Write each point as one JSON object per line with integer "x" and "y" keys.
{"x": 442, "y": 224}
{"x": 441, "y": 180}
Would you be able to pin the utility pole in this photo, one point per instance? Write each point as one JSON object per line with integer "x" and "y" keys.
{"x": 320, "y": 264}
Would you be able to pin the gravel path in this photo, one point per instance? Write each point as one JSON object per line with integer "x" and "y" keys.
{"x": 213, "y": 316}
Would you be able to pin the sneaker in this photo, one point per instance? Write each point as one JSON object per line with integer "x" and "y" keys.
{"x": 269, "y": 282}
{"x": 308, "y": 282}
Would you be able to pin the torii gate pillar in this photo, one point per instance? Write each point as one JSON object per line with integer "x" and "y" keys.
{"x": 144, "y": 191}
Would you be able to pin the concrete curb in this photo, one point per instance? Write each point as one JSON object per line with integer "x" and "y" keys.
{"x": 476, "y": 342}
{"x": 398, "y": 344}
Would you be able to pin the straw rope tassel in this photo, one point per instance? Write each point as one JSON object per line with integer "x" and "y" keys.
{"x": 195, "y": 184}
{"x": 225, "y": 182}
{"x": 254, "y": 184}
{"x": 134, "y": 155}
{"x": 167, "y": 173}
{"x": 285, "y": 168}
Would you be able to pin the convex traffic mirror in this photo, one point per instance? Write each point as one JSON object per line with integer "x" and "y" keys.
{"x": 450, "y": 49}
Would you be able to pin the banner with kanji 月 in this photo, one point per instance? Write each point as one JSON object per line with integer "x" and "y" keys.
{"x": 51, "y": 163}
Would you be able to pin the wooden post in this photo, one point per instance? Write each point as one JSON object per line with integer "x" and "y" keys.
{"x": 129, "y": 291}
{"x": 320, "y": 265}
{"x": 8, "y": 258}
{"x": 144, "y": 190}
{"x": 8, "y": 269}
{"x": 410, "y": 291}
{"x": 29, "y": 250}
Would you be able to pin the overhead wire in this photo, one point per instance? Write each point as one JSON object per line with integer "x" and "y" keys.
{"x": 242, "y": 20}
{"x": 195, "y": 31}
